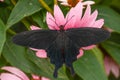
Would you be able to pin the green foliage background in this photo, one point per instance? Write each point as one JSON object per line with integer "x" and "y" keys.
{"x": 17, "y": 16}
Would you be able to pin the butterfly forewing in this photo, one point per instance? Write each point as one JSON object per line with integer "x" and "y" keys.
{"x": 83, "y": 37}
{"x": 39, "y": 39}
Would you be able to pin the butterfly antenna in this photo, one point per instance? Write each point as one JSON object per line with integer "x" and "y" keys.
{"x": 54, "y": 22}
{"x": 68, "y": 20}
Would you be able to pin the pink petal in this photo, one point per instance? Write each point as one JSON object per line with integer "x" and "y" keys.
{"x": 115, "y": 69}
{"x": 92, "y": 19}
{"x": 43, "y": 78}
{"x": 99, "y": 23}
{"x": 8, "y": 76}
{"x": 59, "y": 17}
{"x": 85, "y": 17}
{"x": 107, "y": 65}
{"x": 41, "y": 53}
{"x": 89, "y": 47}
{"x": 74, "y": 15}
{"x": 35, "y": 77}
{"x": 80, "y": 53}
{"x": 1, "y": 0}
{"x": 34, "y": 27}
{"x": 70, "y": 19}
{"x": 34, "y": 49}
{"x": 51, "y": 22}
{"x": 16, "y": 71}
{"x": 89, "y": 21}
{"x": 78, "y": 13}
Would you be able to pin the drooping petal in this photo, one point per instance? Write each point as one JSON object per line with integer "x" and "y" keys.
{"x": 8, "y": 76}
{"x": 35, "y": 77}
{"x": 115, "y": 69}
{"x": 51, "y": 22}
{"x": 99, "y": 23}
{"x": 16, "y": 71}
{"x": 59, "y": 17}
{"x": 81, "y": 52}
{"x": 43, "y": 78}
{"x": 107, "y": 65}
{"x": 34, "y": 27}
{"x": 41, "y": 53}
{"x": 89, "y": 47}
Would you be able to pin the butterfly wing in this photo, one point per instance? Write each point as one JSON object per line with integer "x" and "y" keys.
{"x": 39, "y": 39}
{"x": 83, "y": 37}
{"x": 71, "y": 52}
{"x": 55, "y": 55}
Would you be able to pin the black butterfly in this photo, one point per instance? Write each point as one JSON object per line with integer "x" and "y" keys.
{"x": 62, "y": 46}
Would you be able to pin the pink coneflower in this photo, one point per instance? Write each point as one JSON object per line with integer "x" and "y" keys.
{"x": 74, "y": 19}
{"x": 14, "y": 73}
{"x": 72, "y": 3}
{"x": 61, "y": 48}
{"x": 111, "y": 67}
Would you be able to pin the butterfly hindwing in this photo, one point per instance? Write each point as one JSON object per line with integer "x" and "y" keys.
{"x": 70, "y": 53}
{"x": 83, "y": 37}
{"x": 54, "y": 52}
{"x": 39, "y": 39}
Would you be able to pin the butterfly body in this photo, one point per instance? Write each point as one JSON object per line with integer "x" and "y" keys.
{"x": 62, "y": 46}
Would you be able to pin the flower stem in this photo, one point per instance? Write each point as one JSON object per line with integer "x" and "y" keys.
{"x": 46, "y": 6}
{"x": 11, "y": 31}
{"x": 55, "y": 2}
{"x": 26, "y": 23}
{"x": 13, "y": 2}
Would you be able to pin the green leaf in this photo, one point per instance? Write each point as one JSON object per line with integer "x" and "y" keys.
{"x": 22, "y": 9}
{"x": 90, "y": 66}
{"x": 115, "y": 3}
{"x": 112, "y": 18}
{"x": 2, "y": 35}
{"x": 15, "y": 55}
{"x": 112, "y": 46}
{"x": 3, "y": 62}
{"x": 39, "y": 19}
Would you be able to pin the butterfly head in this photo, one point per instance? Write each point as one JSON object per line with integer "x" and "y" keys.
{"x": 61, "y": 28}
